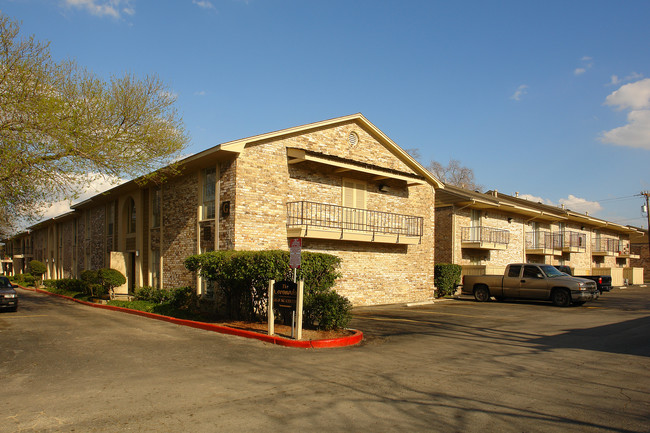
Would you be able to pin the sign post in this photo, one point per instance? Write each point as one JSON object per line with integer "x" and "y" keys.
{"x": 269, "y": 308}
{"x": 295, "y": 248}
{"x": 287, "y": 296}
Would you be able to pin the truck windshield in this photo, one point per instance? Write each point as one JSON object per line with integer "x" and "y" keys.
{"x": 551, "y": 271}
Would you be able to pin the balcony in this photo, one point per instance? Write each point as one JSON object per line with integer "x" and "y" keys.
{"x": 605, "y": 247}
{"x": 543, "y": 243}
{"x": 571, "y": 242}
{"x": 327, "y": 221}
{"x": 625, "y": 251}
{"x": 484, "y": 238}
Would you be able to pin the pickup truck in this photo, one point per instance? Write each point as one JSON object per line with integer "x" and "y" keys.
{"x": 603, "y": 282}
{"x": 531, "y": 281}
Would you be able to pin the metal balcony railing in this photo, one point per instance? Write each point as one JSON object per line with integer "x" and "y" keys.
{"x": 541, "y": 241}
{"x": 485, "y": 234}
{"x": 311, "y": 214}
{"x": 570, "y": 240}
{"x": 606, "y": 245}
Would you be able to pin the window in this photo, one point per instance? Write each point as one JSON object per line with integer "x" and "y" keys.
{"x": 531, "y": 272}
{"x": 155, "y": 207}
{"x": 514, "y": 270}
{"x": 354, "y": 193}
{"x": 155, "y": 268}
{"x": 131, "y": 217}
{"x": 110, "y": 218}
{"x": 209, "y": 193}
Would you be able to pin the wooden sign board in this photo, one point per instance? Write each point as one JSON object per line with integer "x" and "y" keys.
{"x": 285, "y": 295}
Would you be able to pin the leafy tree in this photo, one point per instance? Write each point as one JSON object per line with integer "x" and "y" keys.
{"x": 61, "y": 126}
{"x": 455, "y": 174}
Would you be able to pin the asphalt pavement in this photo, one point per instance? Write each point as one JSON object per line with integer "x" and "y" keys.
{"x": 453, "y": 366}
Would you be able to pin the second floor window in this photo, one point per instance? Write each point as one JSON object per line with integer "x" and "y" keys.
{"x": 208, "y": 195}
{"x": 132, "y": 217}
{"x": 155, "y": 207}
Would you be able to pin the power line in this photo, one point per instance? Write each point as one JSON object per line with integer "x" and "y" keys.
{"x": 620, "y": 198}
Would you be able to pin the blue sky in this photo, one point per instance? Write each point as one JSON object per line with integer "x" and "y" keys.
{"x": 550, "y": 99}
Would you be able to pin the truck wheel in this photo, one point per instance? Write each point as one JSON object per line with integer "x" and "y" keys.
{"x": 561, "y": 297}
{"x": 481, "y": 294}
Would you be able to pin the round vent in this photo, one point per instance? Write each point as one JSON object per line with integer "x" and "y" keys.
{"x": 353, "y": 138}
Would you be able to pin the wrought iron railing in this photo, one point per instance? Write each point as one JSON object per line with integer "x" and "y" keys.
{"x": 311, "y": 214}
{"x": 606, "y": 245}
{"x": 541, "y": 241}
{"x": 485, "y": 234}
{"x": 571, "y": 239}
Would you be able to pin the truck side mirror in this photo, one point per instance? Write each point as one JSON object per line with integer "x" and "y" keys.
{"x": 540, "y": 276}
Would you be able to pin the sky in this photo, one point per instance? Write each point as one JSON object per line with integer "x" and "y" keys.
{"x": 550, "y": 99}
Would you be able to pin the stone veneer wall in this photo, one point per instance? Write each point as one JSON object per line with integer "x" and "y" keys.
{"x": 514, "y": 253}
{"x": 372, "y": 273}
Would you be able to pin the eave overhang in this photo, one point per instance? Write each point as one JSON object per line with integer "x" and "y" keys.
{"x": 341, "y": 165}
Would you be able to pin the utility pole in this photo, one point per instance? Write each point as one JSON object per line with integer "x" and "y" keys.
{"x": 646, "y": 194}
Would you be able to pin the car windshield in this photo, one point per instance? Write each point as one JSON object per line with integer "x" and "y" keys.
{"x": 5, "y": 283}
{"x": 551, "y": 271}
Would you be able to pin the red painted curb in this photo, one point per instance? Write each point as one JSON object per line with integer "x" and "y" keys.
{"x": 274, "y": 339}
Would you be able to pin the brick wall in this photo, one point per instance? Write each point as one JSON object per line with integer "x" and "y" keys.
{"x": 373, "y": 273}
{"x": 180, "y": 198}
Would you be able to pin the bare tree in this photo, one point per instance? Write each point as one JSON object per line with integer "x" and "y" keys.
{"x": 455, "y": 174}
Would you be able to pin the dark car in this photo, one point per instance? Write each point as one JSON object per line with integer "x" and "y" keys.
{"x": 8, "y": 296}
{"x": 604, "y": 282}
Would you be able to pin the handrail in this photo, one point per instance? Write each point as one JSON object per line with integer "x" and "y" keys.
{"x": 307, "y": 213}
{"x": 485, "y": 234}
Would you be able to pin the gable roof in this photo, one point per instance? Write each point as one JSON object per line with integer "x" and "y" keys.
{"x": 237, "y": 146}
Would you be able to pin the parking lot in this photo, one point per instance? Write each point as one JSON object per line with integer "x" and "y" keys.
{"x": 455, "y": 365}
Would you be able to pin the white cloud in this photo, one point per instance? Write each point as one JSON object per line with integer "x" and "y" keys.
{"x": 635, "y": 134}
{"x": 572, "y": 202}
{"x": 631, "y": 77}
{"x": 578, "y": 204}
{"x": 200, "y": 93}
{"x": 587, "y": 64}
{"x": 101, "y": 8}
{"x": 636, "y": 98}
{"x": 98, "y": 185}
{"x": 536, "y": 199}
{"x": 204, "y": 4}
{"x": 520, "y": 92}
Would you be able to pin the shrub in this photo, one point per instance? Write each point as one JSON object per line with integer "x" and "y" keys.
{"x": 23, "y": 279}
{"x": 37, "y": 268}
{"x": 179, "y": 298}
{"x": 110, "y": 279}
{"x": 242, "y": 277}
{"x": 93, "y": 283}
{"x": 445, "y": 277}
{"x": 328, "y": 310}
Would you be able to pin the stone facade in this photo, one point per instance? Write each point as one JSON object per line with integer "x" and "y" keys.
{"x": 600, "y": 247}
{"x": 254, "y": 182}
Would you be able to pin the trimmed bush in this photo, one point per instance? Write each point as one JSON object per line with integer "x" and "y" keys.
{"x": 242, "y": 279}
{"x": 446, "y": 276}
{"x": 37, "y": 269}
{"x": 110, "y": 279}
{"x": 328, "y": 310}
{"x": 23, "y": 279}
